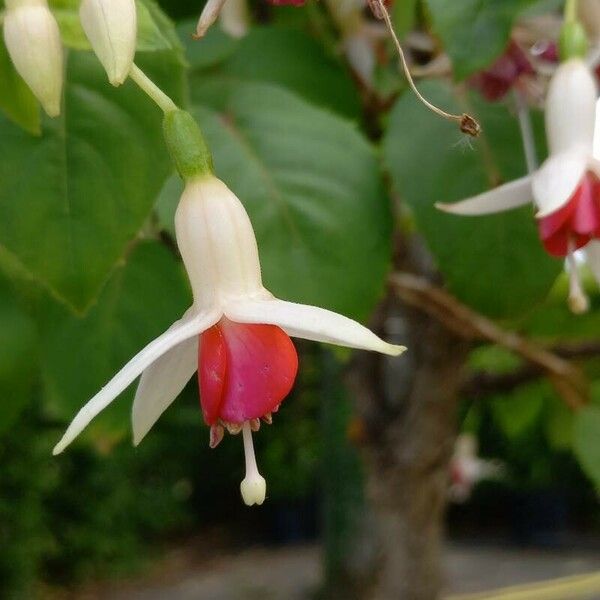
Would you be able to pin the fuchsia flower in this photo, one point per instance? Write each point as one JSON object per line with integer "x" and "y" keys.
{"x": 235, "y": 335}
{"x": 496, "y": 81}
{"x": 566, "y": 188}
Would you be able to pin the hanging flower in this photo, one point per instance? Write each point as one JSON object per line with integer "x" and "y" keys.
{"x": 111, "y": 28}
{"x": 508, "y": 71}
{"x": 566, "y": 188}
{"x": 33, "y": 42}
{"x": 236, "y": 334}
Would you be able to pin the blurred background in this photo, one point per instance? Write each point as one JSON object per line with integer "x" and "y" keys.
{"x": 470, "y": 464}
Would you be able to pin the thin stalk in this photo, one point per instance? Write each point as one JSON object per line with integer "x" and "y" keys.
{"x": 467, "y": 123}
{"x": 149, "y": 87}
{"x": 526, "y": 128}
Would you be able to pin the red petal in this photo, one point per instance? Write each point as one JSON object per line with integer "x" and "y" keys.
{"x": 212, "y": 369}
{"x": 245, "y": 370}
{"x": 578, "y": 220}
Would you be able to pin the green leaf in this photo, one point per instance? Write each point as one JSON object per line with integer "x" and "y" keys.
{"x": 558, "y": 423}
{"x": 16, "y": 100}
{"x": 495, "y": 263}
{"x": 474, "y": 32}
{"x": 517, "y": 414}
{"x": 587, "y": 441}
{"x": 404, "y": 15}
{"x": 152, "y": 26}
{"x": 18, "y": 357}
{"x": 79, "y": 355}
{"x": 214, "y": 48}
{"x": 287, "y": 57}
{"x": 311, "y": 185}
{"x": 71, "y": 201}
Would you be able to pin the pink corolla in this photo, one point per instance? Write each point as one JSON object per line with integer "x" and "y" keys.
{"x": 236, "y": 335}
{"x": 566, "y": 188}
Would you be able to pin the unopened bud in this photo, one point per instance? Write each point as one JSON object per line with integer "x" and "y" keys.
{"x": 33, "y": 42}
{"x": 111, "y": 28}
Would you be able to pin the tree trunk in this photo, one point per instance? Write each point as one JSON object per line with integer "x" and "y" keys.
{"x": 407, "y": 410}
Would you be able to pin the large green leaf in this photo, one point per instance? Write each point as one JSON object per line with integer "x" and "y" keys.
{"x": 16, "y": 100}
{"x": 587, "y": 441}
{"x": 18, "y": 357}
{"x": 494, "y": 263}
{"x": 474, "y": 32}
{"x": 312, "y": 187}
{"x": 79, "y": 355}
{"x": 71, "y": 200}
{"x": 280, "y": 55}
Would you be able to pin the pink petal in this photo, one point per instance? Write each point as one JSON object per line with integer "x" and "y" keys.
{"x": 577, "y": 221}
{"x": 245, "y": 370}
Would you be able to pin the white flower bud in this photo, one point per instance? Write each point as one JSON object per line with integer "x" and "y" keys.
{"x": 111, "y": 28}
{"x": 33, "y": 42}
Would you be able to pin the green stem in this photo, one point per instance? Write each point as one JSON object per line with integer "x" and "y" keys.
{"x": 149, "y": 87}
{"x": 570, "y": 10}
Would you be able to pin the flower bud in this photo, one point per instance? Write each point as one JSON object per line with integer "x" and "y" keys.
{"x": 33, "y": 42}
{"x": 111, "y": 28}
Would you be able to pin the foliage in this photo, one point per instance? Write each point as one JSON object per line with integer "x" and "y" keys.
{"x": 330, "y": 171}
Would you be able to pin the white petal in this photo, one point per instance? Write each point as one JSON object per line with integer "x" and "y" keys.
{"x": 33, "y": 42}
{"x": 571, "y": 108}
{"x": 597, "y": 130}
{"x": 557, "y": 179}
{"x": 209, "y": 15}
{"x": 310, "y": 323}
{"x": 111, "y": 28}
{"x": 592, "y": 254}
{"x": 191, "y": 324}
{"x": 160, "y": 384}
{"x": 507, "y": 196}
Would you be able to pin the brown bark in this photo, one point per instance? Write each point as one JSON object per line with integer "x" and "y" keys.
{"x": 406, "y": 409}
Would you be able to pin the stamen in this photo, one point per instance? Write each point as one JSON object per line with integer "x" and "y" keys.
{"x": 578, "y": 301}
{"x": 254, "y": 486}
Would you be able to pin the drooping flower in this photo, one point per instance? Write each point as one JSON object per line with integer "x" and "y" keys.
{"x": 236, "y": 334}
{"x": 566, "y": 188}
{"x": 111, "y": 28}
{"x": 33, "y": 42}
{"x": 508, "y": 71}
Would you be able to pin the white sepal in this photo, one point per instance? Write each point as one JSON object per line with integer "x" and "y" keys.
{"x": 33, "y": 42}
{"x": 311, "y": 323}
{"x": 191, "y": 324}
{"x": 160, "y": 384}
{"x": 234, "y": 18}
{"x": 571, "y": 108}
{"x": 557, "y": 179}
{"x": 111, "y": 28}
{"x": 209, "y": 15}
{"x": 505, "y": 197}
{"x": 217, "y": 243}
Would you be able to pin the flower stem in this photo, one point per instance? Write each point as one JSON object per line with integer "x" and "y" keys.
{"x": 570, "y": 12}
{"x": 526, "y": 128}
{"x": 149, "y": 87}
{"x": 467, "y": 123}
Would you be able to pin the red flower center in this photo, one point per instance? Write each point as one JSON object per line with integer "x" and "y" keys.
{"x": 244, "y": 370}
{"x": 576, "y": 223}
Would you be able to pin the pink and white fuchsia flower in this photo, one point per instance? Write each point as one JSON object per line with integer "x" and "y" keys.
{"x": 236, "y": 335}
{"x": 566, "y": 188}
